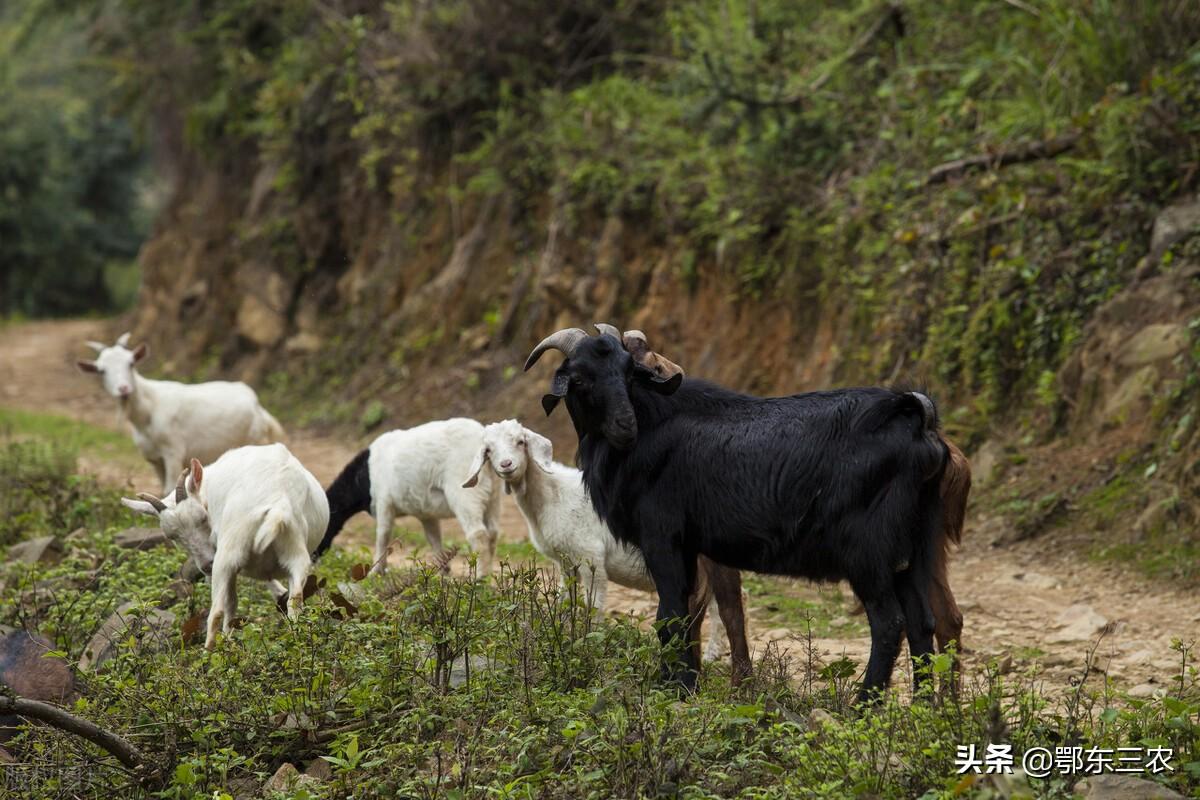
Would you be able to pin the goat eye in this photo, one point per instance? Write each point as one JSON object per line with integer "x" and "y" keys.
{"x": 521, "y": 442}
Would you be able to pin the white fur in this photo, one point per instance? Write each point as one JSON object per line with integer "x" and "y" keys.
{"x": 255, "y": 510}
{"x": 418, "y": 472}
{"x": 563, "y": 525}
{"x": 174, "y": 422}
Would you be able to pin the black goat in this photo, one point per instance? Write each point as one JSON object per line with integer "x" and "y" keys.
{"x": 824, "y": 485}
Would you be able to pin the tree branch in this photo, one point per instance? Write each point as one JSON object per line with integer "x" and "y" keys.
{"x": 123, "y": 750}
{"x": 1033, "y": 151}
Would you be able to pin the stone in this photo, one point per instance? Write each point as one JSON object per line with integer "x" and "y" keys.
{"x": 1111, "y": 786}
{"x": 1078, "y": 623}
{"x": 44, "y": 550}
{"x": 319, "y": 769}
{"x": 140, "y": 538}
{"x": 28, "y": 672}
{"x": 985, "y": 462}
{"x": 1173, "y": 224}
{"x": 1130, "y": 395}
{"x": 152, "y": 627}
{"x": 819, "y": 719}
{"x": 77, "y": 536}
{"x": 1036, "y": 580}
{"x": 260, "y": 316}
{"x": 458, "y": 670}
{"x": 286, "y": 780}
{"x": 1159, "y": 342}
{"x": 1147, "y": 690}
{"x": 776, "y": 634}
{"x": 303, "y": 342}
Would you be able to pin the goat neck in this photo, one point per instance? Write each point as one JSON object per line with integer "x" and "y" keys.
{"x": 138, "y": 406}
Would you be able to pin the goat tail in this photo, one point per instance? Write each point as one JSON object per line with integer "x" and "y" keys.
{"x": 274, "y": 524}
{"x": 349, "y": 494}
{"x": 275, "y": 432}
{"x": 956, "y": 486}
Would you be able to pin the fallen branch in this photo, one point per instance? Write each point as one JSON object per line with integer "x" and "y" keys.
{"x": 120, "y": 748}
{"x": 1033, "y": 151}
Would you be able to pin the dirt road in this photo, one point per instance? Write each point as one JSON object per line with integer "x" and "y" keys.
{"x": 1031, "y": 606}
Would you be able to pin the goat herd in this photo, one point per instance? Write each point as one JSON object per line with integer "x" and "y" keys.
{"x": 682, "y": 483}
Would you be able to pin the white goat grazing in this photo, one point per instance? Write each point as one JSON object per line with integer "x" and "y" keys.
{"x": 256, "y": 510}
{"x": 563, "y": 525}
{"x": 418, "y": 472}
{"x": 173, "y": 422}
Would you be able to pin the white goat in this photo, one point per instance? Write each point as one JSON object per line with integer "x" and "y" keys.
{"x": 563, "y": 526}
{"x": 172, "y": 421}
{"x": 256, "y": 510}
{"x": 418, "y": 472}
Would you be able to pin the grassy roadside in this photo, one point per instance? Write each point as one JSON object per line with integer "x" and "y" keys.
{"x": 426, "y": 686}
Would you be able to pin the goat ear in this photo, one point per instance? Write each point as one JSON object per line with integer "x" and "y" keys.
{"x": 87, "y": 366}
{"x": 476, "y": 466}
{"x": 141, "y": 352}
{"x": 558, "y": 390}
{"x": 660, "y": 385}
{"x": 540, "y": 449}
{"x": 195, "y": 476}
{"x": 140, "y": 506}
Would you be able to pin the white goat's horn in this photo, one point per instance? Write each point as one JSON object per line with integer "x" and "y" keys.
{"x": 159, "y": 506}
{"x": 180, "y": 488}
{"x": 123, "y": 339}
{"x": 565, "y": 341}
{"x": 96, "y": 346}
{"x": 635, "y": 334}
{"x": 606, "y": 329}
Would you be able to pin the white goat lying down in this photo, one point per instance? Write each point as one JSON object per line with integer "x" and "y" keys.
{"x": 563, "y": 526}
{"x": 418, "y": 472}
{"x": 255, "y": 510}
{"x": 172, "y": 421}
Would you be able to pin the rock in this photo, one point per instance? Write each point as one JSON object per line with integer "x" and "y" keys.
{"x": 1036, "y": 580}
{"x": 1158, "y": 342}
{"x": 1130, "y": 396}
{"x": 319, "y": 769}
{"x": 1147, "y": 690}
{"x": 303, "y": 342}
{"x": 190, "y": 572}
{"x": 28, "y": 672}
{"x": 6, "y": 757}
{"x": 260, "y": 317}
{"x": 985, "y": 462}
{"x": 458, "y": 670}
{"x": 1111, "y": 786}
{"x": 77, "y": 536}
{"x": 776, "y": 634}
{"x": 140, "y": 538}
{"x": 153, "y": 626}
{"x": 44, "y": 549}
{"x": 1078, "y": 623}
{"x": 286, "y": 780}
{"x": 1173, "y": 224}
{"x": 819, "y": 719}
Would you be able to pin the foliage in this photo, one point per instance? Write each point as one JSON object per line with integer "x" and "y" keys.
{"x": 424, "y": 685}
{"x": 71, "y": 216}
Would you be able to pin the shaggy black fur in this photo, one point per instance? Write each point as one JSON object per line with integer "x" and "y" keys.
{"x": 349, "y": 494}
{"x": 825, "y": 485}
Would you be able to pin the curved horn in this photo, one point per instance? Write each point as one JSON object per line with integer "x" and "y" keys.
{"x": 180, "y": 488}
{"x": 565, "y": 341}
{"x": 635, "y": 334}
{"x": 606, "y": 329}
{"x": 159, "y": 506}
{"x": 123, "y": 339}
{"x": 96, "y": 346}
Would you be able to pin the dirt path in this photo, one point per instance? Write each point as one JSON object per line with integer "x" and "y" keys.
{"x": 1029, "y": 605}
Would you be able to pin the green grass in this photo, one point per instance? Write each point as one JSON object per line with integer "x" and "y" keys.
{"x": 80, "y": 436}
{"x": 784, "y": 602}
{"x": 556, "y": 704}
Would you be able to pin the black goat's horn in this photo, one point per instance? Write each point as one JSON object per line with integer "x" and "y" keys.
{"x": 565, "y": 341}
{"x": 610, "y": 330}
{"x": 159, "y": 506}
